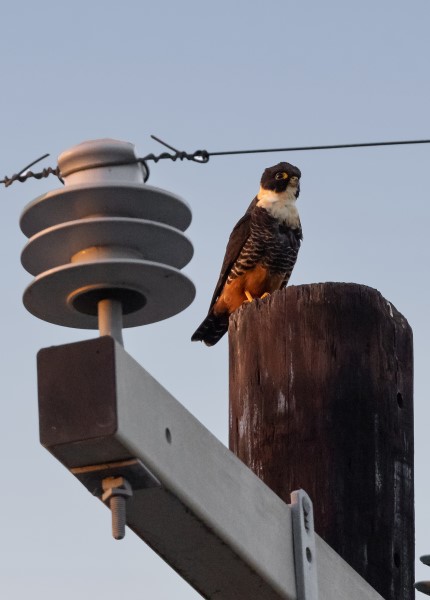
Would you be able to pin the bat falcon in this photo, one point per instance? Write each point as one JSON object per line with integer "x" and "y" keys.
{"x": 261, "y": 252}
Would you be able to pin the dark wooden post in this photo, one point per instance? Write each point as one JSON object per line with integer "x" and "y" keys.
{"x": 321, "y": 399}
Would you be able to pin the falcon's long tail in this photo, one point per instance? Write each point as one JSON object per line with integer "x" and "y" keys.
{"x": 212, "y": 329}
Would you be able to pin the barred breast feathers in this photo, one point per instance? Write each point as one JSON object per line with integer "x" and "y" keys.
{"x": 282, "y": 205}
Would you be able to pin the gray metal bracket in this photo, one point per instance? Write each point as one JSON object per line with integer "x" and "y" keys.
{"x": 305, "y": 556}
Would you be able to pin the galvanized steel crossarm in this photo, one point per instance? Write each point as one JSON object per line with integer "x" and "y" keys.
{"x": 209, "y": 516}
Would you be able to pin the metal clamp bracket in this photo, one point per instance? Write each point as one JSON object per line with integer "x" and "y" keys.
{"x": 304, "y": 546}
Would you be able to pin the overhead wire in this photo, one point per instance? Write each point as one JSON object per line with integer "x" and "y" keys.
{"x": 324, "y": 147}
{"x": 199, "y": 156}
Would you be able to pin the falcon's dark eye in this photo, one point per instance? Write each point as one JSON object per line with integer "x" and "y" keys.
{"x": 279, "y": 176}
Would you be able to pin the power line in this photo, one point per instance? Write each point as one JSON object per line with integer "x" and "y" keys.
{"x": 325, "y": 147}
{"x": 199, "y": 156}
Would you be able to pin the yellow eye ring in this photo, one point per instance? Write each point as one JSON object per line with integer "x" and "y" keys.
{"x": 280, "y": 176}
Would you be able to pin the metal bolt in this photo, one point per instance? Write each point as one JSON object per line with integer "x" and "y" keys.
{"x": 116, "y": 492}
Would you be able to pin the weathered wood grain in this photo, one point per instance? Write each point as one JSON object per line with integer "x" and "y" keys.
{"x": 321, "y": 399}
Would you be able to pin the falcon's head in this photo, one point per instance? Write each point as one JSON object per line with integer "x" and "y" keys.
{"x": 281, "y": 177}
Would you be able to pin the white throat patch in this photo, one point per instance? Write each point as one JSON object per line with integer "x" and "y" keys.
{"x": 280, "y": 205}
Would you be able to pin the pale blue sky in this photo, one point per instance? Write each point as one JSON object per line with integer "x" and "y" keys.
{"x": 227, "y": 75}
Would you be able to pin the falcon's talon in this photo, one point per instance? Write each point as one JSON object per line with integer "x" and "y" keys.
{"x": 261, "y": 252}
{"x": 264, "y": 295}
